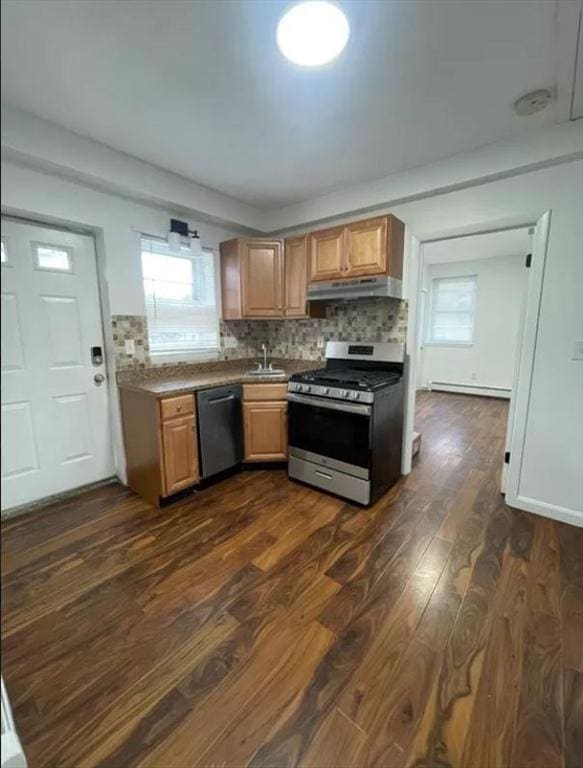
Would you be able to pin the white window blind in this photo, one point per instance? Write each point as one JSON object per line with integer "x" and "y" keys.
{"x": 180, "y": 300}
{"x": 453, "y": 304}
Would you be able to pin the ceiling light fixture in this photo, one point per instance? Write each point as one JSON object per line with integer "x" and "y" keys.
{"x": 312, "y": 33}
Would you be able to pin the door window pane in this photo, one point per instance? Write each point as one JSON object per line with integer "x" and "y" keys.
{"x": 52, "y": 258}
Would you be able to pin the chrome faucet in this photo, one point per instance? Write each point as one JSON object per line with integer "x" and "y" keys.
{"x": 264, "y": 349}
{"x": 263, "y": 366}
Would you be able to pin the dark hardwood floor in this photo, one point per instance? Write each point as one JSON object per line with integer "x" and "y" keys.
{"x": 262, "y": 623}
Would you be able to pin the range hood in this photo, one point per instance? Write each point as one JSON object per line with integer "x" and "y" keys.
{"x": 360, "y": 288}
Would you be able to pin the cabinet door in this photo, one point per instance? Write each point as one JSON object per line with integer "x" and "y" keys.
{"x": 366, "y": 247}
{"x": 265, "y": 431}
{"x": 296, "y": 276}
{"x": 180, "y": 454}
{"x": 262, "y": 284}
{"x": 327, "y": 256}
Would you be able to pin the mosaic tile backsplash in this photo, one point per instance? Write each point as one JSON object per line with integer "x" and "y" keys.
{"x": 365, "y": 320}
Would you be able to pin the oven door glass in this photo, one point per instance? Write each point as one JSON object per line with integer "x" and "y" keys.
{"x": 334, "y": 434}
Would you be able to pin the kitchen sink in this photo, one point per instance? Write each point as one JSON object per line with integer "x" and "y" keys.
{"x": 266, "y": 372}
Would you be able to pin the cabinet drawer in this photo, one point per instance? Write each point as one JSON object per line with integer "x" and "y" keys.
{"x": 183, "y": 405}
{"x": 264, "y": 391}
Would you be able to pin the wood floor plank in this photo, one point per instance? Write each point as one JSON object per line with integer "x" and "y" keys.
{"x": 314, "y": 516}
{"x": 280, "y": 667}
{"x": 491, "y": 728}
{"x": 571, "y": 566}
{"x": 539, "y": 733}
{"x": 338, "y": 742}
{"x": 365, "y": 697}
{"x": 462, "y": 661}
{"x": 573, "y": 703}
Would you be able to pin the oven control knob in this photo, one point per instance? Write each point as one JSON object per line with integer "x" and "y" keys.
{"x": 345, "y": 394}
{"x": 326, "y": 391}
{"x": 307, "y": 388}
{"x": 356, "y": 395}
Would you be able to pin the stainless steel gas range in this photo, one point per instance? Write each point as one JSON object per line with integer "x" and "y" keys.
{"x": 346, "y": 420}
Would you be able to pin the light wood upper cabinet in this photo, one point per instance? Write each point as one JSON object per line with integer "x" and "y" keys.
{"x": 263, "y": 278}
{"x": 327, "y": 254}
{"x": 296, "y": 276}
{"x": 180, "y": 459}
{"x": 265, "y": 426}
{"x": 260, "y": 278}
{"x": 366, "y": 247}
{"x": 252, "y": 278}
{"x": 360, "y": 248}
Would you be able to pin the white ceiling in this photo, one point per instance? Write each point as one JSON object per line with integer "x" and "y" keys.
{"x": 199, "y": 88}
{"x": 514, "y": 242}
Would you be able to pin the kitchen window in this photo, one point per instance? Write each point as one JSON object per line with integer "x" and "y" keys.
{"x": 452, "y": 310}
{"x": 181, "y": 302}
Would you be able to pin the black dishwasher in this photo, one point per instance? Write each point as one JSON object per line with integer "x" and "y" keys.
{"x": 220, "y": 433}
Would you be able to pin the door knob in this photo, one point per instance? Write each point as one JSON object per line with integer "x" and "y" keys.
{"x": 99, "y": 378}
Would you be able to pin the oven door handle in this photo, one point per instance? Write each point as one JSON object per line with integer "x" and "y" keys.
{"x": 333, "y": 405}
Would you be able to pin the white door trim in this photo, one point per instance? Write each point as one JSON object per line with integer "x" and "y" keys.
{"x": 520, "y": 398}
{"x": 523, "y": 385}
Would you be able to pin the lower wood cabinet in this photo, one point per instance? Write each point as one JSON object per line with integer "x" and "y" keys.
{"x": 160, "y": 436}
{"x": 180, "y": 459}
{"x": 265, "y": 422}
{"x": 160, "y": 443}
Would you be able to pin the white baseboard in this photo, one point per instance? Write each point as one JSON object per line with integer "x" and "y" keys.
{"x": 469, "y": 389}
{"x": 562, "y": 514}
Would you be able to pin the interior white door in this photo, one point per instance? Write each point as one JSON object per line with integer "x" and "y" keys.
{"x": 55, "y": 412}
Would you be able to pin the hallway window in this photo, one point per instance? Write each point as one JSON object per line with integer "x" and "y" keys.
{"x": 181, "y": 305}
{"x": 453, "y": 306}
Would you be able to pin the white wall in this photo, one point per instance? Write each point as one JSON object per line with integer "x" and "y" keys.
{"x": 117, "y": 224}
{"x": 489, "y": 361}
{"x": 42, "y": 144}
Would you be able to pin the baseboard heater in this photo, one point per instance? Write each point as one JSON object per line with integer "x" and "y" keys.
{"x": 470, "y": 389}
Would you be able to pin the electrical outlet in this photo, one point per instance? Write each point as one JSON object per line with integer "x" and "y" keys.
{"x": 130, "y": 346}
{"x": 578, "y": 351}
{"x": 320, "y": 342}
{"x": 473, "y": 377}
{"x": 230, "y": 342}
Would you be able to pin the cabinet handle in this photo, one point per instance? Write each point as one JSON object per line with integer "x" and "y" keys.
{"x": 178, "y": 408}
{"x": 325, "y": 475}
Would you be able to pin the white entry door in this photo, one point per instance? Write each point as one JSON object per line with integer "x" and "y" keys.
{"x": 55, "y": 412}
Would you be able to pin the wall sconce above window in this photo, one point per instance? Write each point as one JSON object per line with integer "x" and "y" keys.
{"x": 179, "y": 232}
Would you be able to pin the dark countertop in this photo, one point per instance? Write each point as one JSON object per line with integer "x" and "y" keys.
{"x": 234, "y": 372}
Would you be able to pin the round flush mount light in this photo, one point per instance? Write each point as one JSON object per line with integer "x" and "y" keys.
{"x": 533, "y": 102}
{"x": 312, "y": 33}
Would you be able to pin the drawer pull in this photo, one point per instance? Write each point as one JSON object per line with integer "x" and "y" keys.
{"x": 323, "y": 474}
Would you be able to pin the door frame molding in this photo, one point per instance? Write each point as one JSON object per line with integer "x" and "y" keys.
{"x": 522, "y": 384}
{"x": 47, "y": 222}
